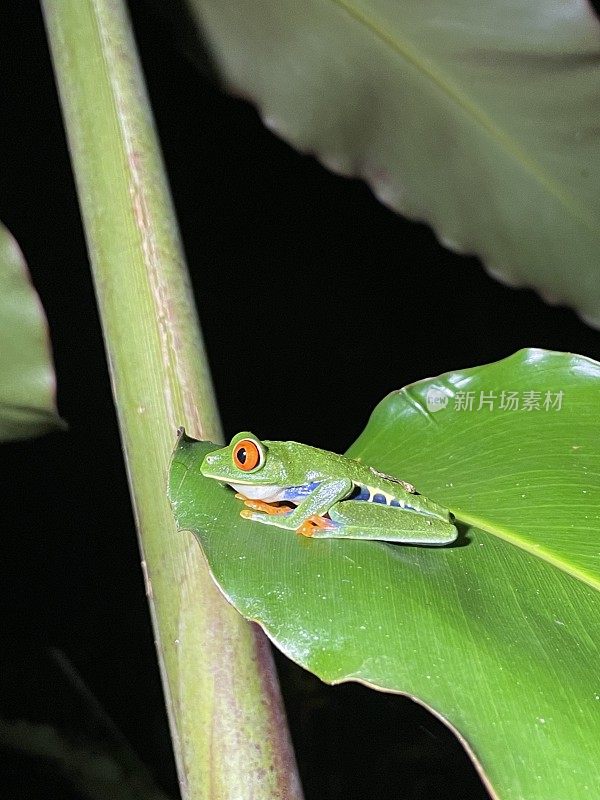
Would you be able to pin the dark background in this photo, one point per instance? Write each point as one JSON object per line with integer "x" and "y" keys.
{"x": 315, "y": 302}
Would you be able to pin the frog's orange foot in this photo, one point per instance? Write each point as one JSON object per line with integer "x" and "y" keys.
{"x": 261, "y": 505}
{"x": 312, "y": 524}
{"x": 306, "y": 529}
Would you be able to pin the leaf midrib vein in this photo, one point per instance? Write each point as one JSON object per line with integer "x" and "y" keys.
{"x": 506, "y": 141}
{"x": 535, "y": 550}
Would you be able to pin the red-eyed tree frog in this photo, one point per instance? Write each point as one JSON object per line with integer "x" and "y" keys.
{"x": 325, "y": 495}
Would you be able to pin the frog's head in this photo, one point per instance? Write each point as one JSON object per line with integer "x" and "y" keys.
{"x": 246, "y": 461}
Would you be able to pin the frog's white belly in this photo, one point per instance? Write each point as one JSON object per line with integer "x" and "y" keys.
{"x": 270, "y": 494}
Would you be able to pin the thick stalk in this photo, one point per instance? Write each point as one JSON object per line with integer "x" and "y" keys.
{"x": 227, "y": 721}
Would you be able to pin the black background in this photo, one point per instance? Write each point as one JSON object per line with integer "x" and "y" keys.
{"x": 315, "y": 302}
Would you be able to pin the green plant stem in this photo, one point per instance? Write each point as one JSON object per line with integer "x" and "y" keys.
{"x": 227, "y": 720}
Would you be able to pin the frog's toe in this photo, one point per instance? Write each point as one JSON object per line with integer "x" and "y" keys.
{"x": 315, "y": 523}
{"x": 307, "y": 528}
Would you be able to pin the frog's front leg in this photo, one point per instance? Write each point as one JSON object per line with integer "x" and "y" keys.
{"x": 262, "y": 505}
{"x": 307, "y": 514}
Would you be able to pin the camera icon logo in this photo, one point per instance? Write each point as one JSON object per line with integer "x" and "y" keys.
{"x": 436, "y": 399}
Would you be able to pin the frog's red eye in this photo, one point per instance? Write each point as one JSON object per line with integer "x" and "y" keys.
{"x": 247, "y": 455}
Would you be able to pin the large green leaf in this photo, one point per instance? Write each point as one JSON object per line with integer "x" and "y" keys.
{"x": 499, "y": 634}
{"x": 478, "y": 116}
{"x": 27, "y": 384}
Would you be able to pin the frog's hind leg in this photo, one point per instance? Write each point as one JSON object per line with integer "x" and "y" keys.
{"x": 357, "y": 519}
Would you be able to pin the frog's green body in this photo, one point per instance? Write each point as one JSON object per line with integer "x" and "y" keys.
{"x": 361, "y": 503}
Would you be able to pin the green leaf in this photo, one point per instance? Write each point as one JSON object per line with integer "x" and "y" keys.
{"x": 479, "y": 117}
{"x": 27, "y": 382}
{"x": 499, "y": 634}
